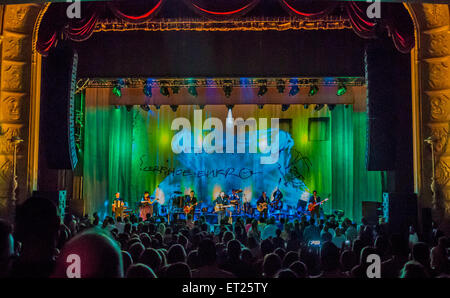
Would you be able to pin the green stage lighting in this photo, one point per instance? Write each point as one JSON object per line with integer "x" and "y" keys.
{"x": 117, "y": 91}
{"x": 342, "y": 89}
{"x": 313, "y": 89}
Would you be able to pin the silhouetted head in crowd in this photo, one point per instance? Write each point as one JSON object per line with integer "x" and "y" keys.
{"x": 140, "y": 271}
{"x": 290, "y": 258}
{"x": 312, "y": 221}
{"x": 421, "y": 253}
{"x": 329, "y": 257}
{"x": 348, "y": 260}
{"x": 234, "y": 249}
{"x": 192, "y": 259}
{"x": 145, "y": 239}
{"x": 176, "y": 254}
{"x": 271, "y": 265}
{"x": 247, "y": 256}
{"x": 97, "y": 254}
{"x": 136, "y": 249}
{"x": 413, "y": 269}
{"x": 300, "y": 269}
{"x": 266, "y": 247}
{"x": 286, "y": 273}
{"x": 280, "y": 252}
{"x": 178, "y": 270}
{"x": 6, "y": 247}
{"x": 36, "y": 227}
{"x": 152, "y": 259}
{"x": 207, "y": 253}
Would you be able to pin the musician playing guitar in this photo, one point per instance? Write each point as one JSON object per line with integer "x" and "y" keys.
{"x": 262, "y": 205}
{"x": 190, "y": 203}
{"x": 315, "y": 200}
{"x": 147, "y": 206}
{"x": 221, "y": 202}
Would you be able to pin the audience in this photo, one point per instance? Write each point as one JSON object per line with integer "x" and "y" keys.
{"x": 40, "y": 245}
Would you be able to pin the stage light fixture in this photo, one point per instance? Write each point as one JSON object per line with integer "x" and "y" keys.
{"x": 117, "y": 107}
{"x": 342, "y": 89}
{"x": 318, "y": 107}
{"x": 230, "y": 107}
{"x": 280, "y": 86}
{"x": 192, "y": 89}
{"x": 260, "y": 106}
{"x": 331, "y": 107}
{"x": 313, "y": 89}
{"x": 347, "y": 106}
{"x": 146, "y": 108}
{"x": 285, "y": 107}
{"x": 157, "y": 107}
{"x": 262, "y": 87}
{"x": 174, "y": 107}
{"x": 148, "y": 88}
{"x": 227, "y": 88}
{"x": 117, "y": 90}
{"x": 306, "y": 106}
{"x": 129, "y": 108}
{"x": 176, "y": 87}
{"x": 294, "y": 90}
{"x": 201, "y": 107}
{"x": 164, "y": 89}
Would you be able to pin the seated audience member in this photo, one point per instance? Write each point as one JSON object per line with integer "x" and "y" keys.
{"x": 300, "y": 269}
{"x": 36, "y": 228}
{"x": 192, "y": 259}
{"x": 254, "y": 232}
{"x": 399, "y": 256}
{"x": 311, "y": 232}
{"x": 152, "y": 259}
{"x": 280, "y": 252}
{"x": 208, "y": 266}
{"x": 339, "y": 238}
{"x": 278, "y": 241}
{"x": 293, "y": 244}
{"x": 421, "y": 253}
{"x": 136, "y": 249}
{"x": 140, "y": 271}
{"x": 351, "y": 233}
{"x": 413, "y": 269}
{"x": 178, "y": 270}
{"x": 248, "y": 259}
{"x": 329, "y": 260}
{"x": 290, "y": 258}
{"x": 348, "y": 260}
{"x": 271, "y": 265}
{"x": 360, "y": 271}
{"x": 6, "y": 248}
{"x": 175, "y": 254}
{"x": 99, "y": 256}
{"x": 269, "y": 230}
{"x": 285, "y": 273}
{"x": 412, "y": 238}
{"x": 127, "y": 260}
{"x": 439, "y": 256}
{"x": 233, "y": 262}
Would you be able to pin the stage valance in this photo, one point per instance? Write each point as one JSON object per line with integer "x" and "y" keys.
{"x": 56, "y": 25}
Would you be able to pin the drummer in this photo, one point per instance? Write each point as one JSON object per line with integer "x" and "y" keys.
{"x": 236, "y": 200}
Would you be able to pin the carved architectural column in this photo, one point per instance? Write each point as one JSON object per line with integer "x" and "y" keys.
{"x": 15, "y": 81}
{"x": 434, "y": 102}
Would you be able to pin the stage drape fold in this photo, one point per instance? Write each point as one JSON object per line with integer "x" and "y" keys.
{"x": 55, "y": 25}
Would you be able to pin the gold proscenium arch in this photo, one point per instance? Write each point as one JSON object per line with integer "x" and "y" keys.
{"x": 430, "y": 65}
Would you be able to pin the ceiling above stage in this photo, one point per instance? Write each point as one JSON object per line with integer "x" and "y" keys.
{"x": 223, "y": 15}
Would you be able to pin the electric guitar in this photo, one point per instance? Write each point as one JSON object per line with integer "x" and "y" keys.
{"x": 221, "y": 207}
{"x": 261, "y": 207}
{"x": 188, "y": 208}
{"x": 150, "y": 202}
{"x": 311, "y": 206}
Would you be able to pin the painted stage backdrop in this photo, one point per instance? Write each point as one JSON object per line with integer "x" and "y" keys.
{"x": 132, "y": 151}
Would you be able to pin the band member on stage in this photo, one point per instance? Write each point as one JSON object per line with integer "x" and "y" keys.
{"x": 221, "y": 200}
{"x": 263, "y": 199}
{"x": 277, "y": 202}
{"x": 191, "y": 200}
{"x": 314, "y": 199}
{"x": 118, "y": 206}
{"x": 235, "y": 200}
{"x": 146, "y": 206}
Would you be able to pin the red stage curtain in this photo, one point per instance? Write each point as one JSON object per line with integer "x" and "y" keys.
{"x": 362, "y": 25}
{"x": 221, "y": 9}
{"x": 82, "y": 29}
{"x": 308, "y": 9}
{"x": 136, "y": 11}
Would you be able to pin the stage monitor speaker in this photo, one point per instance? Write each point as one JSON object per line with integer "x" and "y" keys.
{"x": 400, "y": 211}
{"x": 59, "y": 73}
{"x": 381, "y": 141}
{"x": 371, "y": 211}
{"x": 57, "y": 197}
